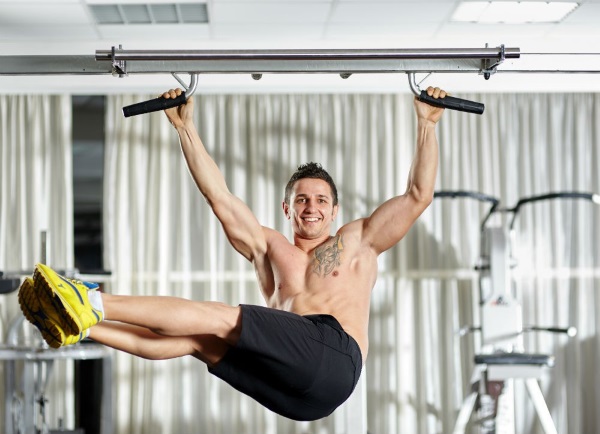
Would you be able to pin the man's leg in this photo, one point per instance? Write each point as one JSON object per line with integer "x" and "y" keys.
{"x": 169, "y": 316}
{"x": 144, "y": 343}
{"x": 172, "y": 316}
{"x": 50, "y": 299}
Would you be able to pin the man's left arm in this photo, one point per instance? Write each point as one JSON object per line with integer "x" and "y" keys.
{"x": 391, "y": 221}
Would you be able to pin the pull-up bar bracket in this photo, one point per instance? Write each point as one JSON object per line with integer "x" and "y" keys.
{"x": 119, "y": 67}
{"x": 487, "y": 69}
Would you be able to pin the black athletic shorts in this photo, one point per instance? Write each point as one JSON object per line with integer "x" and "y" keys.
{"x": 301, "y": 367}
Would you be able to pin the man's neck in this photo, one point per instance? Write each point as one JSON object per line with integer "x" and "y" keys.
{"x": 308, "y": 245}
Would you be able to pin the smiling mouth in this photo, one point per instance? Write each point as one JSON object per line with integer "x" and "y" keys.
{"x": 310, "y": 219}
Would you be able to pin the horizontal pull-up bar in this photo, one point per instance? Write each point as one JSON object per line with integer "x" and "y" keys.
{"x": 319, "y": 54}
{"x": 307, "y": 61}
{"x": 484, "y": 61}
{"x": 343, "y": 62}
{"x": 118, "y": 61}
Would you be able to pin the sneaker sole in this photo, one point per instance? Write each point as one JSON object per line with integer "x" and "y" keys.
{"x": 32, "y": 310}
{"x": 51, "y": 299}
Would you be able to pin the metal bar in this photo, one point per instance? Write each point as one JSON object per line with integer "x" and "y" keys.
{"x": 466, "y": 410}
{"x": 87, "y": 65}
{"x": 340, "y": 66}
{"x": 53, "y": 65}
{"x": 257, "y": 61}
{"x": 305, "y": 61}
{"x": 326, "y": 55}
{"x": 553, "y": 63}
{"x": 535, "y": 393}
{"x": 302, "y": 61}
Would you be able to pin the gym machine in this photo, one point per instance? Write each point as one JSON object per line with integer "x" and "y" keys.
{"x": 503, "y": 358}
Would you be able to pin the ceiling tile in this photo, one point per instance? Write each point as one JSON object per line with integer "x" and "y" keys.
{"x": 42, "y": 13}
{"x": 270, "y": 12}
{"x": 483, "y": 31}
{"x": 47, "y": 33}
{"x": 154, "y": 32}
{"x": 383, "y": 12}
{"x": 100, "y": 2}
{"x": 31, "y": 3}
{"x": 386, "y": 32}
{"x": 585, "y": 13}
{"x": 264, "y": 32}
{"x": 271, "y": 1}
{"x": 367, "y": 2}
{"x": 579, "y": 31}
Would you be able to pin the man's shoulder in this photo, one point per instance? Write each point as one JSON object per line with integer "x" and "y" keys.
{"x": 355, "y": 226}
{"x": 353, "y": 236}
{"x": 273, "y": 235}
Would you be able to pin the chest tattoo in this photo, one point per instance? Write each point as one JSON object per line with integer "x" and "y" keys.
{"x": 327, "y": 256}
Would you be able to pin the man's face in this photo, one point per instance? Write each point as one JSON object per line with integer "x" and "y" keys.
{"x": 311, "y": 209}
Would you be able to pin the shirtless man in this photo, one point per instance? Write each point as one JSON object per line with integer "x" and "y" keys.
{"x": 302, "y": 355}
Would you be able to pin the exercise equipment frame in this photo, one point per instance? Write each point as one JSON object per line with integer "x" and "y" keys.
{"x": 503, "y": 358}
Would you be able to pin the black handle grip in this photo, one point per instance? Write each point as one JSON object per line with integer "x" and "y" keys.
{"x": 153, "y": 105}
{"x": 452, "y": 103}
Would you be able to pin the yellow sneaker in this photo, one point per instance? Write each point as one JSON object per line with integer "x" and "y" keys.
{"x": 45, "y": 321}
{"x": 67, "y": 298}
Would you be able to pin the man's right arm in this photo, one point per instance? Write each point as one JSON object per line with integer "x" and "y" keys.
{"x": 242, "y": 228}
{"x": 391, "y": 220}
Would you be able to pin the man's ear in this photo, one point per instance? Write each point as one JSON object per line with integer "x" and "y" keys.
{"x": 335, "y": 211}
{"x": 286, "y": 209}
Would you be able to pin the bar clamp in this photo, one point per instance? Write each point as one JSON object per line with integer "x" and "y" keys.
{"x": 119, "y": 67}
{"x": 487, "y": 68}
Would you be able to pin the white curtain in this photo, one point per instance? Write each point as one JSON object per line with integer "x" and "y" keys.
{"x": 161, "y": 238}
{"x": 36, "y": 185}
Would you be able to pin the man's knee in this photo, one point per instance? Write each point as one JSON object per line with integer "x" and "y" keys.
{"x": 236, "y": 331}
{"x": 232, "y": 323}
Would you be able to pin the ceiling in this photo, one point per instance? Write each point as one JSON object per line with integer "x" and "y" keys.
{"x": 68, "y": 27}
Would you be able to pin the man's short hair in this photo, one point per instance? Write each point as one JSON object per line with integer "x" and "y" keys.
{"x": 310, "y": 170}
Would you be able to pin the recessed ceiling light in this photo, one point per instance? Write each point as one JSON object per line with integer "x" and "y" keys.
{"x": 513, "y": 12}
{"x": 150, "y": 13}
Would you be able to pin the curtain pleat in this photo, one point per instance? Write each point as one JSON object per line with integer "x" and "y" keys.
{"x": 36, "y": 194}
{"x": 161, "y": 238}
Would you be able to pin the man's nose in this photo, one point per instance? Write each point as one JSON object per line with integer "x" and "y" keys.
{"x": 310, "y": 204}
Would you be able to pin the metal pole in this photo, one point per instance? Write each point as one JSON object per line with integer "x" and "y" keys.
{"x": 343, "y": 62}
{"x": 118, "y": 61}
{"x": 119, "y": 54}
{"x": 338, "y": 61}
{"x": 535, "y": 393}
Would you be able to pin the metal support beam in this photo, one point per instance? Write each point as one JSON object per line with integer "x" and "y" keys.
{"x": 344, "y": 62}
{"x": 53, "y": 65}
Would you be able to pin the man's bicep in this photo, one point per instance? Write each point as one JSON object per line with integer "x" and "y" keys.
{"x": 241, "y": 226}
{"x": 390, "y": 222}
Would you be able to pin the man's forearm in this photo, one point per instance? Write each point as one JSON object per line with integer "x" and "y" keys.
{"x": 423, "y": 171}
{"x": 204, "y": 170}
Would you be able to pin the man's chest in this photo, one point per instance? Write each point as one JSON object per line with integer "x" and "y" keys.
{"x": 295, "y": 268}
